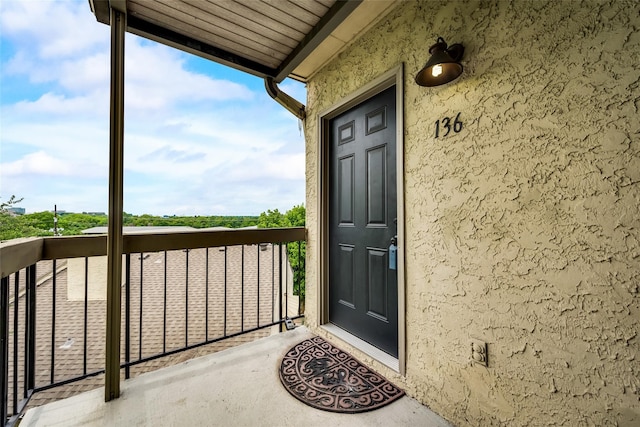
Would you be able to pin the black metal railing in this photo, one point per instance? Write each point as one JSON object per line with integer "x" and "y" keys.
{"x": 207, "y": 294}
{"x": 181, "y": 292}
{"x": 21, "y": 370}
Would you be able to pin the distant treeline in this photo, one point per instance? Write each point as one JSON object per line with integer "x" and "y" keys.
{"x": 190, "y": 221}
{"x": 72, "y": 224}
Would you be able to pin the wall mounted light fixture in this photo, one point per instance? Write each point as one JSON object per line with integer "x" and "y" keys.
{"x": 443, "y": 66}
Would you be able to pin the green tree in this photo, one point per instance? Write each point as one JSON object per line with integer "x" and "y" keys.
{"x": 296, "y": 251}
{"x": 16, "y": 226}
{"x": 271, "y": 219}
{"x": 73, "y": 224}
{"x": 296, "y": 216}
{"x": 13, "y": 227}
{"x": 40, "y": 220}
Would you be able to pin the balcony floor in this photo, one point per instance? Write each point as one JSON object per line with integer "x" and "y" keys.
{"x": 238, "y": 386}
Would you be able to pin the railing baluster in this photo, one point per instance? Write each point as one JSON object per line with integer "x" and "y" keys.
{"x": 304, "y": 275}
{"x": 242, "y": 290}
{"x": 86, "y": 313}
{"x": 273, "y": 282}
{"x": 186, "y": 300}
{"x": 225, "y": 292}
{"x": 258, "y": 291}
{"x": 30, "y": 328}
{"x": 206, "y": 294}
{"x": 299, "y": 275}
{"x": 16, "y": 306}
{"x": 286, "y": 280}
{"x": 140, "y": 310}
{"x": 53, "y": 319}
{"x": 164, "y": 308}
{"x": 280, "y": 279}
{"x": 4, "y": 348}
{"x": 25, "y": 367}
{"x": 127, "y": 315}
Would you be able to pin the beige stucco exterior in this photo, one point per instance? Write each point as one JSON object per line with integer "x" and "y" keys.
{"x": 523, "y": 229}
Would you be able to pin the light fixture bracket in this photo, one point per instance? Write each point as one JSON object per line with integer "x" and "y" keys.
{"x": 456, "y": 50}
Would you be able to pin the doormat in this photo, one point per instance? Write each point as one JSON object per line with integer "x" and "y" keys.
{"x": 325, "y": 377}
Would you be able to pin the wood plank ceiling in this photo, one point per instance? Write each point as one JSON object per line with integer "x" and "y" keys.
{"x": 262, "y": 31}
{"x": 268, "y": 38}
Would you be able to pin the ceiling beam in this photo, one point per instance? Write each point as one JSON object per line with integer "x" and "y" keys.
{"x": 329, "y": 22}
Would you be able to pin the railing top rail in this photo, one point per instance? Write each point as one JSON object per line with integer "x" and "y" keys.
{"x": 20, "y": 253}
{"x": 17, "y": 254}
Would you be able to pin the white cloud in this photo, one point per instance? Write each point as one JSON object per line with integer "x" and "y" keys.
{"x": 266, "y": 167}
{"x": 58, "y": 104}
{"x": 54, "y": 29}
{"x": 44, "y": 164}
{"x": 173, "y": 155}
{"x": 62, "y": 43}
{"x": 84, "y": 73}
{"x": 156, "y": 78}
{"x": 69, "y": 136}
{"x": 195, "y": 142}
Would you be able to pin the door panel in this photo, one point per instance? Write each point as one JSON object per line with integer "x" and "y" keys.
{"x": 376, "y": 186}
{"x": 345, "y": 288}
{"x": 363, "y": 290}
{"x": 346, "y": 191}
{"x": 377, "y": 263}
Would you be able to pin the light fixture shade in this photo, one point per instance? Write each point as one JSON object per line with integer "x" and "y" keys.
{"x": 443, "y": 66}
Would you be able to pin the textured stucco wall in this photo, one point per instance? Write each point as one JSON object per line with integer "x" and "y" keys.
{"x": 523, "y": 230}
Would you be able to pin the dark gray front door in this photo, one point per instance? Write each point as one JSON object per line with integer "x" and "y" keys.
{"x": 363, "y": 291}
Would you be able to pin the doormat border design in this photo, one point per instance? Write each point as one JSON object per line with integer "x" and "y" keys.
{"x": 325, "y": 377}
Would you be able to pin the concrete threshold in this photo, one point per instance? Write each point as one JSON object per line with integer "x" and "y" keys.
{"x": 234, "y": 387}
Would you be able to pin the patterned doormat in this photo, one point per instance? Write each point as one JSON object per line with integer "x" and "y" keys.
{"x": 325, "y": 377}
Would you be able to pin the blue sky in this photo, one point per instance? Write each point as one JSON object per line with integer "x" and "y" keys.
{"x": 200, "y": 138}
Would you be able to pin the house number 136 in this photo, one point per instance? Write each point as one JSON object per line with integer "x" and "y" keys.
{"x": 447, "y": 126}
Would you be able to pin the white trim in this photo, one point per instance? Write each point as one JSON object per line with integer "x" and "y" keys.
{"x": 363, "y": 346}
{"x": 393, "y": 77}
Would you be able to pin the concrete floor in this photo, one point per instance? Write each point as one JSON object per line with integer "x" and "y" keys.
{"x": 234, "y": 387}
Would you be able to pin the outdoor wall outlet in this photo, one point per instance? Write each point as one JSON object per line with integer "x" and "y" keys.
{"x": 479, "y": 352}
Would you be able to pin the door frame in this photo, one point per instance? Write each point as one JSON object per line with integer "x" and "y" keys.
{"x": 393, "y": 77}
